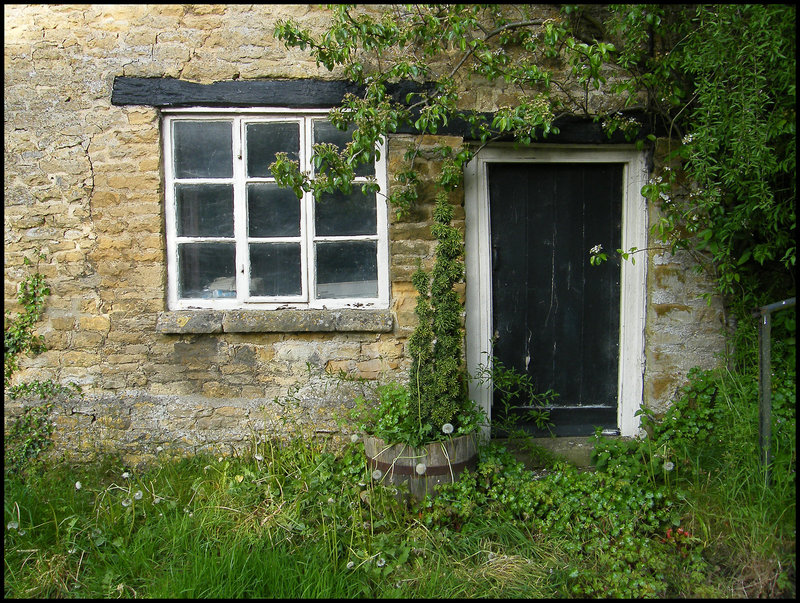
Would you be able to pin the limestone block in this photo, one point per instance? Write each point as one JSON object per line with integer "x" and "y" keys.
{"x": 94, "y": 323}
{"x": 214, "y": 389}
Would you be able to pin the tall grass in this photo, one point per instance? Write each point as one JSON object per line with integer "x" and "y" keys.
{"x": 292, "y": 522}
{"x": 748, "y": 524}
{"x": 293, "y": 519}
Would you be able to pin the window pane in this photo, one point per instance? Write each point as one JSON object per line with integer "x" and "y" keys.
{"x": 337, "y": 214}
{"x": 347, "y": 269}
{"x": 325, "y": 131}
{"x": 272, "y": 211}
{"x": 203, "y": 149}
{"x": 206, "y": 270}
{"x": 204, "y": 210}
{"x": 266, "y": 139}
{"x": 275, "y": 269}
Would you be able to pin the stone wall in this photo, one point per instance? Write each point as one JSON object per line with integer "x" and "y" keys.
{"x": 683, "y": 329}
{"x": 83, "y": 184}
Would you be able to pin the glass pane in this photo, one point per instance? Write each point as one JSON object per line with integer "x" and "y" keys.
{"x": 266, "y": 139}
{"x": 347, "y": 269}
{"x": 206, "y": 270}
{"x": 275, "y": 269}
{"x": 325, "y": 131}
{"x": 340, "y": 214}
{"x": 203, "y": 149}
{"x": 204, "y": 210}
{"x": 272, "y": 211}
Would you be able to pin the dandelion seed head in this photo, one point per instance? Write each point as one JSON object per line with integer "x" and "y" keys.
{"x": 125, "y": 475}
{"x": 126, "y": 502}
{"x": 13, "y": 525}
{"x": 78, "y": 485}
{"x": 138, "y": 495}
{"x": 669, "y": 466}
{"x": 447, "y": 428}
{"x": 157, "y": 500}
{"x": 376, "y": 475}
{"x": 350, "y": 565}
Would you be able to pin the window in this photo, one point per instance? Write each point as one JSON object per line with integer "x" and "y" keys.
{"x": 237, "y": 240}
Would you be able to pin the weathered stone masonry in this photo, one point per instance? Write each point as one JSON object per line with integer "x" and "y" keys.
{"x": 83, "y": 184}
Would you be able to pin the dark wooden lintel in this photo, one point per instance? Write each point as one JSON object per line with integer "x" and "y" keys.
{"x": 318, "y": 94}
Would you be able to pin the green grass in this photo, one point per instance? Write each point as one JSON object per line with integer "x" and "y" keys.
{"x": 295, "y": 520}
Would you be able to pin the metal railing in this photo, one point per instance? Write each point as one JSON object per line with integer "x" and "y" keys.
{"x": 765, "y": 381}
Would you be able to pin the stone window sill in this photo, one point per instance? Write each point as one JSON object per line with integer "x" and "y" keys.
{"x": 274, "y": 321}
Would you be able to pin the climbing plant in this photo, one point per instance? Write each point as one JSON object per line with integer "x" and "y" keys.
{"x": 19, "y": 337}
{"x": 717, "y": 81}
{"x": 723, "y": 79}
{"x": 29, "y": 434}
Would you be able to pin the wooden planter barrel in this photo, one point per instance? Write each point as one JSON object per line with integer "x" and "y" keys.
{"x": 443, "y": 462}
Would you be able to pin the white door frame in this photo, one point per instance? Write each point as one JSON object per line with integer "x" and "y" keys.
{"x": 633, "y": 278}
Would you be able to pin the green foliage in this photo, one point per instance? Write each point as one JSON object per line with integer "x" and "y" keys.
{"x": 441, "y": 48}
{"x": 515, "y": 389}
{"x": 612, "y": 529}
{"x": 393, "y": 419}
{"x": 719, "y": 79}
{"x": 725, "y": 86}
{"x": 292, "y": 519}
{"x": 18, "y": 336}
{"x": 437, "y": 378}
{"x": 28, "y": 436}
{"x": 704, "y": 449}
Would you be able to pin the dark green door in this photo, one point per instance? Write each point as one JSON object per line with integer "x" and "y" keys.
{"x": 556, "y": 317}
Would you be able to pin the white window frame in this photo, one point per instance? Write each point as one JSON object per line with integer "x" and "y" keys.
{"x": 308, "y": 238}
{"x": 479, "y": 319}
